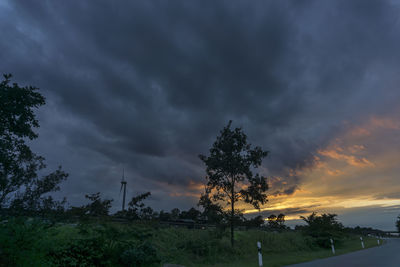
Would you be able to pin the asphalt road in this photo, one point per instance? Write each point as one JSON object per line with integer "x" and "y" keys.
{"x": 386, "y": 255}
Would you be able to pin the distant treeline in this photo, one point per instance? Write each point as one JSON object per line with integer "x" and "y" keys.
{"x": 321, "y": 227}
{"x": 99, "y": 208}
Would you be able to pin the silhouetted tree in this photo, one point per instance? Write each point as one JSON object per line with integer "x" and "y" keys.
{"x": 20, "y": 186}
{"x": 255, "y": 222}
{"x": 191, "y": 214}
{"x": 75, "y": 212}
{"x": 229, "y": 171}
{"x": 277, "y": 222}
{"x": 164, "y": 216}
{"x": 238, "y": 218}
{"x": 138, "y": 210}
{"x": 50, "y": 207}
{"x": 175, "y": 214}
{"x": 364, "y": 231}
{"x": 213, "y": 212}
{"x": 323, "y": 227}
{"x": 147, "y": 213}
{"x": 325, "y": 221}
{"x": 398, "y": 223}
{"x": 281, "y": 220}
{"x": 97, "y": 207}
{"x": 272, "y": 222}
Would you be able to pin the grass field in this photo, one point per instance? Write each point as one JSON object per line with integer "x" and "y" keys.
{"x": 34, "y": 244}
{"x": 352, "y": 243}
{"x": 278, "y": 249}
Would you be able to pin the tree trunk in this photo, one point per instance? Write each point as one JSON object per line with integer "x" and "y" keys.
{"x": 232, "y": 215}
{"x": 232, "y": 218}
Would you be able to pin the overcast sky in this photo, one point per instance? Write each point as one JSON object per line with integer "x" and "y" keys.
{"x": 147, "y": 86}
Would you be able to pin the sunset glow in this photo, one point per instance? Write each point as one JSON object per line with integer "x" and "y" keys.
{"x": 357, "y": 169}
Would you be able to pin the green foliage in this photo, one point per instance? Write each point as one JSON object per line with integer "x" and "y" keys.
{"x": 283, "y": 249}
{"x": 22, "y": 242}
{"x": 186, "y": 246}
{"x": 106, "y": 245}
{"x": 229, "y": 171}
{"x": 208, "y": 247}
{"x": 32, "y": 242}
{"x": 80, "y": 252}
{"x": 20, "y": 187}
{"x": 278, "y": 242}
{"x": 143, "y": 254}
{"x": 200, "y": 245}
{"x": 323, "y": 227}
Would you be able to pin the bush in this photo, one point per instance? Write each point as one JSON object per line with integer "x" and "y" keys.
{"x": 23, "y": 242}
{"x": 322, "y": 228}
{"x": 106, "y": 245}
{"x": 275, "y": 242}
{"x": 80, "y": 252}
{"x": 140, "y": 255}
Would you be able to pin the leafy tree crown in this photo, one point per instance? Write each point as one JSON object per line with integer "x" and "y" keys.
{"x": 230, "y": 167}
{"x": 20, "y": 186}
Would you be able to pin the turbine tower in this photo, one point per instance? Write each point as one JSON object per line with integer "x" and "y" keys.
{"x": 123, "y": 185}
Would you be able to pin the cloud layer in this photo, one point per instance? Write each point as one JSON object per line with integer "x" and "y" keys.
{"x": 146, "y": 86}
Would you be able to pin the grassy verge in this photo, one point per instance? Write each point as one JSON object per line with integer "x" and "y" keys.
{"x": 275, "y": 259}
{"x": 25, "y": 243}
{"x": 201, "y": 248}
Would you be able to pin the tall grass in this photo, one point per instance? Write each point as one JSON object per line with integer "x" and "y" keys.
{"x": 208, "y": 247}
{"x": 34, "y": 243}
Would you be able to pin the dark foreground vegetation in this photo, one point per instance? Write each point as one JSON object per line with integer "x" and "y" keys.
{"x": 27, "y": 241}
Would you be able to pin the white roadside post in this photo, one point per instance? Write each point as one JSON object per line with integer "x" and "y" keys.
{"x": 333, "y": 247}
{"x": 260, "y": 263}
{"x": 362, "y": 242}
{"x": 377, "y": 239}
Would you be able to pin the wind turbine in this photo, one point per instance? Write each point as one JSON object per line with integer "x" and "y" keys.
{"x": 123, "y": 185}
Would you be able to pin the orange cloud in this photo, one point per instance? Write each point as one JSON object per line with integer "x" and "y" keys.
{"x": 358, "y": 131}
{"x": 334, "y": 172}
{"x": 195, "y": 186}
{"x": 350, "y": 159}
{"x": 374, "y": 123}
{"x": 356, "y": 148}
{"x": 386, "y": 123}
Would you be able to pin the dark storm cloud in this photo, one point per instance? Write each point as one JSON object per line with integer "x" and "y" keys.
{"x": 147, "y": 85}
{"x": 287, "y": 191}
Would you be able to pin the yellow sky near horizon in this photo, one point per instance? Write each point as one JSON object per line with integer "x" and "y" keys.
{"x": 357, "y": 169}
